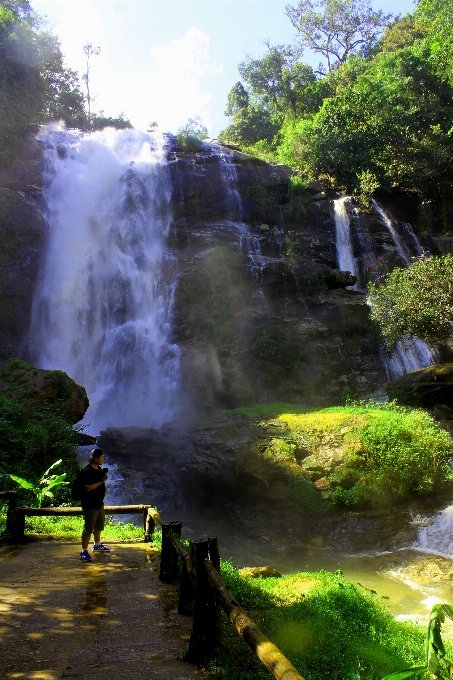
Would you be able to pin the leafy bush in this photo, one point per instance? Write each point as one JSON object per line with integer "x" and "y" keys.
{"x": 32, "y": 437}
{"x": 417, "y": 301}
{"x": 191, "y": 135}
{"x": 328, "y": 627}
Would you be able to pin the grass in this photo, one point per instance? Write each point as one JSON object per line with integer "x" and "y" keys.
{"x": 274, "y": 408}
{"x": 367, "y": 453}
{"x": 328, "y": 627}
{"x": 69, "y": 529}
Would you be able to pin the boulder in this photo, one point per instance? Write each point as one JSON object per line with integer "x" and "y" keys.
{"x": 19, "y": 380}
{"x": 425, "y": 387}
{"x": 259, "y": 572}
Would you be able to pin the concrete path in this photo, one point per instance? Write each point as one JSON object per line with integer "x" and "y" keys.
{"x": 112, "y": 618}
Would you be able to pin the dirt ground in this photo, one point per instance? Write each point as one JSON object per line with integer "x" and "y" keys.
{"x": 112, "y": 618}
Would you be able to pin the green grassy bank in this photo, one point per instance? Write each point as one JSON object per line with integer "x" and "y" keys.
{"x": 70, "y": 529}
{"x": 357, "y": 455}
{"x": 328, "y": 627}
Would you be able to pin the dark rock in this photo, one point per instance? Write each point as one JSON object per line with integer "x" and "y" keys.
{"x": 18, "y": 380}
{"x": 425, "y": 387}
{"x": 443, "y": 412}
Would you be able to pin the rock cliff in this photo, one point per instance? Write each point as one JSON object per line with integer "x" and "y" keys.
{"x": 261, "y": 310}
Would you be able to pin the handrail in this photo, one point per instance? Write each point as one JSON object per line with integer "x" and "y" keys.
{"x": 203, "y": 590}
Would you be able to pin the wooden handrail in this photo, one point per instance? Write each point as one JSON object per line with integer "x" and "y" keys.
{"x": 264, "y": 649}
{"x": 112, "y": 509}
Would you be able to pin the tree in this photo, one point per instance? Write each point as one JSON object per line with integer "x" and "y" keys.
{"x": 90, "y": 51}
{"x": 192, "y": 134}
{"x": 99, "y": 121}
{"x": 340, "y": 29}
{"x": 417, "y": 301}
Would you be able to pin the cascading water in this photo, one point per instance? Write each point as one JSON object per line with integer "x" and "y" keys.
{"x": 102, "y": 310}
{"x": 345, "y": 256}
{"x": 405, "y": 240}
{"x": 437, "y": 537}
{"x": 410, "y": 353}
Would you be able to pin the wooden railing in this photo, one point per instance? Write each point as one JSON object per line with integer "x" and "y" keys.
{"x": 202, "y": 591}
{"x": 15, "y": 518}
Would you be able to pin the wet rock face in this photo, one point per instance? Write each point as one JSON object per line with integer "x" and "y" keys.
{"x": 426, "y": 388}
{"x": 22, "y": 233}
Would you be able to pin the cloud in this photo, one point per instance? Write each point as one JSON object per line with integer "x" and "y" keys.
{"x": 172, "y": 86}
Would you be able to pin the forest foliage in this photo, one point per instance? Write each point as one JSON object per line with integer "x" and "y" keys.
{"x": 377, "y": 114}
{"x": 35, "y": 84}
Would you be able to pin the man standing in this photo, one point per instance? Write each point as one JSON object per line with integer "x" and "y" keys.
{"x": 93, "y": 481}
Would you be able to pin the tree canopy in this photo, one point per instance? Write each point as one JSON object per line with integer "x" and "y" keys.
{"x": 380, "y": 117}
{"x": 417, "y": 301}
{"x": 340, "y": 29}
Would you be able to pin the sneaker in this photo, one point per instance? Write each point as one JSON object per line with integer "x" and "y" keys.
{"x": 101, "y": 547}
{"x": 85, "y": 555}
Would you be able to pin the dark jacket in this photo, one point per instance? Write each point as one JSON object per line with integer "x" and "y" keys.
{"x": 95, "y": 498}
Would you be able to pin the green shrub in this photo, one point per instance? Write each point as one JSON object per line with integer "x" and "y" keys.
{"x": 328, "y": 627}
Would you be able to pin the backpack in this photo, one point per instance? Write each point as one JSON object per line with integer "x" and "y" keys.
{"x": 77, "y": 489}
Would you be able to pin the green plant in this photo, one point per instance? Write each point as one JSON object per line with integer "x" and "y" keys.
{"x": 436, "y": 659}
{"x": 328, "y": 627}
{"x": 416, "y": 301}
{"x": 191, "y": 135}
{"x": 41, "y": 490}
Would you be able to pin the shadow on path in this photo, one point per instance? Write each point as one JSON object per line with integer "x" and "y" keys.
{"x": 112, "y": 618}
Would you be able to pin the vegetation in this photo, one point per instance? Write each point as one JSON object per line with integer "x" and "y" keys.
{"x": 191, "y": 135}
{"x": 70, "y": 528}
{"x": 417, "y": 301}
{"x": 42, "y": 489}
{"x": 328, "y": 627}
{"x": 376, "y": 116}
{"x": 377, "y": 453}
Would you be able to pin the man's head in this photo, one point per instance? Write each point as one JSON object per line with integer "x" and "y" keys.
{"x": 96, "y": 456}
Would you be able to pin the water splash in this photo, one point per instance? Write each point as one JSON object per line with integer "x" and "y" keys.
{"x": 102, "y": 311}
{"x": 437, "y": 537}
{"x": 410, "y": 354}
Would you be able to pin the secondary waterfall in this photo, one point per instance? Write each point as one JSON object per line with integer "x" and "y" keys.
{"x": 345, "y": 256}
{"x": 102, "y": 310}
{"x": 437, "y": 537}
{"x": 410, "y": 353}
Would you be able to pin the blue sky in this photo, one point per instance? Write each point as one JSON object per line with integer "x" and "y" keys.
{"x": 168, "y": 60}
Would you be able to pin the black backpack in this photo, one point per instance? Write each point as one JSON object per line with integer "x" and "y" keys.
{"x": 77, "y": 489}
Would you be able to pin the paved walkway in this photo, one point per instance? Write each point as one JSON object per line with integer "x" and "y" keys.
{"x": 112, "y": 618}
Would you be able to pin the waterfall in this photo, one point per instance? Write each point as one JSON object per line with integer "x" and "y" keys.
{"x": 102, "y": 310}
{"x": 437, "y": 537}
{"x": 410, "y": 354}
{"x": 345, "y": 257}
{"x": 407, "y": 248}
{"x": 233, "y": 203}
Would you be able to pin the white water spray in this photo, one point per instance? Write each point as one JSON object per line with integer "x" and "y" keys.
{"x": 399, "y": 236}
{"x": 437, "y": 537}
{"x": 345, "y": 256}
{"x": 102, "y": 310}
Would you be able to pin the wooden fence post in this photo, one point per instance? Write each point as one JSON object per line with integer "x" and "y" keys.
{"x": 186, "y": 590}
{"x": 169, "y": 567}
{"x": 205, "y": 632}
{"x": 15, "y": 520}
{"x": 214, "y": 554}
{"x": 150, "y": 526}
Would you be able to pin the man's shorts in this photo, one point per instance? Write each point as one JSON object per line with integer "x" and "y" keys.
{"x": 94, "y": 520}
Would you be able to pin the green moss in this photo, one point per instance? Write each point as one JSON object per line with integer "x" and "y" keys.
{"x": 274, "y": 408}
{"x": 380, "y": 453}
